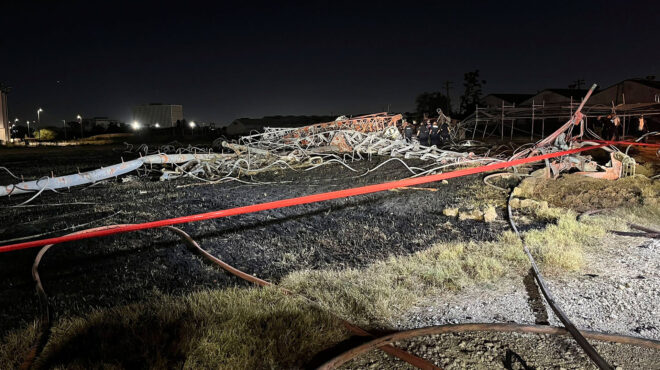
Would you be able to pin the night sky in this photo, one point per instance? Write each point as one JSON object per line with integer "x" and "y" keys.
{"x": 222, "y": 62}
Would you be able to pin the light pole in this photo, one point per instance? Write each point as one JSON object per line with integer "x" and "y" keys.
{"x": 80, "y": 123}
{"x": 64, "y": 124}
{"x": 39, "y": 120}
{"x": 192, "y": 128}
{"x": 28, "y": 133}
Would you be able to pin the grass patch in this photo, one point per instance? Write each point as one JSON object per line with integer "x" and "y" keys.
{"x": 231, "y": 328}
{"x": 14, "y": 346}
{"x": 377, "y": 294}
{"x": 582, "y": 193}
{"x": 478, "y": 195}
{"x": 561, "y": 246}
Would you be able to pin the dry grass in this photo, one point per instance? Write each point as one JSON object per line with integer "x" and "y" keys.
{"x": 582, "y": 193}
{"x": 377, "y": 294}
{"x": 561, "y": 246}
{"x": 14, "y": 347}
{"x": 231, "y": 328}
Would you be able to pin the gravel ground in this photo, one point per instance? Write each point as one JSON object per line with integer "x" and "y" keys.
{"x": 618, "y": 291}
{"x": 508, "y": 351}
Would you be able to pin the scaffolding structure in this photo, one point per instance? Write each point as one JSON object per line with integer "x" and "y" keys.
{"x": 487, "y": 121}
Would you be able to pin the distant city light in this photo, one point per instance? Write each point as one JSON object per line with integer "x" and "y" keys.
{"x": 135, "y": 125}
{"x": 192, "y": 124}
{"x": 157, "y": 125}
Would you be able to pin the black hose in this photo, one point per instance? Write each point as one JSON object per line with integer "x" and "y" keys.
{"x": 575, "y": 333}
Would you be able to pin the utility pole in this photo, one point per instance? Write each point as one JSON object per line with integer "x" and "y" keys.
{"x": 577, "y": 84}
{"x": 447, "y": 87}
{"x": 79, "y": 118}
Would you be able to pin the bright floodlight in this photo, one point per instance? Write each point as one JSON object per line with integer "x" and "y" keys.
{"x": 40, "y": 110}
{"x": 157, "y": 125}
{"x": 135, "y": 125}
{"x": 192, "y": 123}
{"x": 78, "y": 117}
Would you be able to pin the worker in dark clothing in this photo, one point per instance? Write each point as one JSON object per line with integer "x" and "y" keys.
{"x": 423, "y": 134}
{"x": 435, "y": 135}
{"x": 408, "y": 131}
{"x": 615, "y": 127}
{"x": 444, "y": 132}
{"x": 642, "y": 129}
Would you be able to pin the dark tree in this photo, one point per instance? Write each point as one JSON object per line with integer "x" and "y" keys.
{"x": 73, "y": 130}
{"x": 97, "y": 130}
{"x": 113, "y": 128}
{"x": 472, "y": 93}
{"x": 429, "y": 102}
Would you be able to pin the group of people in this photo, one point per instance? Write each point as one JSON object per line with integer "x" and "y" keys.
{"x": 611, "y": 128}
{"x": 428, "y": 133}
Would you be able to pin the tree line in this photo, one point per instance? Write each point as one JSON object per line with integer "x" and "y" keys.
{"x": 429, "y": 102}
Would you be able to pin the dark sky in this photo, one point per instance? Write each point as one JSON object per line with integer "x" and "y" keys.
{"x": 228, "y": 61}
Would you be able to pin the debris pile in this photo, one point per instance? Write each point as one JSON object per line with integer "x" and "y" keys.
{"x": 342, "y": 141}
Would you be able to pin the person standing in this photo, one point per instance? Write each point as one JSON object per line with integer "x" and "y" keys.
{"x": 616, "y": 128}
{"x": 423, "y": 134}
{"x": 408, "y": 131}
{"x": 435, "y": 135}
{"x": 642, "y": 129}
{"x": 444, "y": 132}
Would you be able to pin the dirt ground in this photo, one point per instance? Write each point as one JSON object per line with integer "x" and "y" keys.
{"x": 122, "y": 269}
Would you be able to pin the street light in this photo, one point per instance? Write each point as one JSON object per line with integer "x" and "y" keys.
{"x": 157, "y": 125}
{"x": 135, "y": 125}
{"x": 192, "y": 128}
{"x": 79, "y": 118}
{"x": 64, "y": 124}
{"x": 28, "y": 133}
{"x": 39, "y": 120}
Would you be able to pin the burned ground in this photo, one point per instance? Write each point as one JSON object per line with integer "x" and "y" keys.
{"x": 130, "y": 268}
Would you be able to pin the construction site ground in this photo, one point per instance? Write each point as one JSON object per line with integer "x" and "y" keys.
{"x": 616, "y": 291}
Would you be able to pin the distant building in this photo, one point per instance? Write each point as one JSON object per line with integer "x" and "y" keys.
{"x": 555, "y": 96}
{"x": 4, "y": 117}
{"x": 99, "y": 121}
{"x": 165, "y": 115}
{"x": 632, "y": 91}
